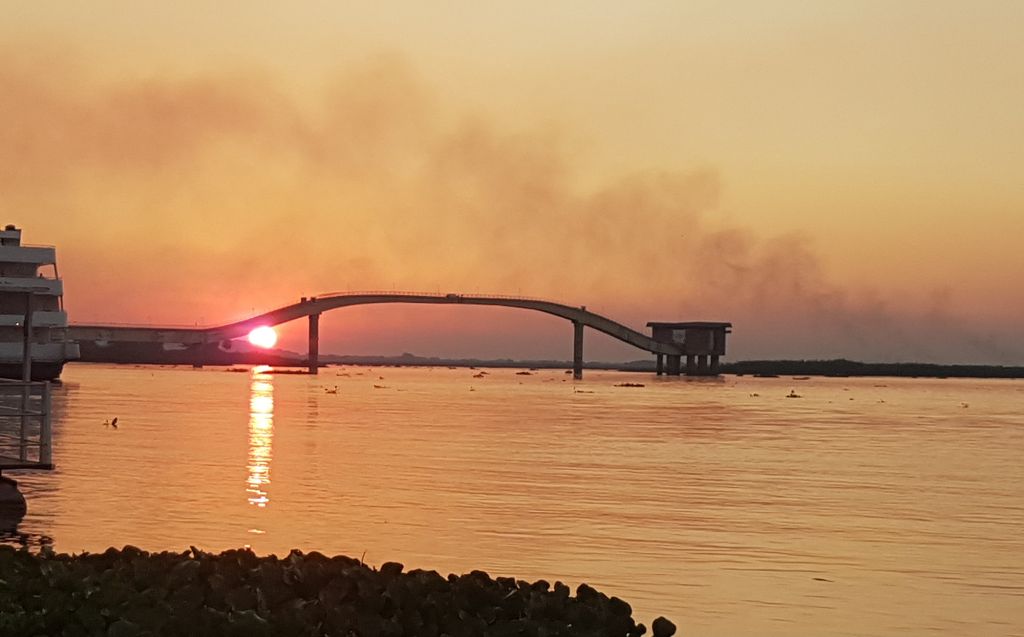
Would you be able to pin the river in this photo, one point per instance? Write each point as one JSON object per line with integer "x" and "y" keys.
{"x": 865, "y": 506}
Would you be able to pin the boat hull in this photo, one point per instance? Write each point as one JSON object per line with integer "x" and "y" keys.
{"x": 47, "y": 359}
{"x": 41, "y": 370}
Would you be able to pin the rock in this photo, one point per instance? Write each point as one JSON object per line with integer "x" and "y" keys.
{"x": 391, "y": 569}
{"x": 662, "y": 627}
{"x": 561, "y": 590}
{"x": 619, "y": 607}
{"x": 12, "y": 502}
{"x": 586, "y": 593}
{"x": 123, "y": 628}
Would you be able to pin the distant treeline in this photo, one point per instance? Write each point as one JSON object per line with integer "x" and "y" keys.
{"x": 843, "y": 367}
{"x": 153, "y": 353}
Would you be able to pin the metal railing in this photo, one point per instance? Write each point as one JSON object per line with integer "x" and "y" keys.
{"x": 26, "y": 435}
{"x": 437, "y": 295}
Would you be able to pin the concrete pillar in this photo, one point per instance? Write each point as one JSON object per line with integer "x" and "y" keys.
{"x": 577, "y": 350}
{"x": 714, "y": 364}
{"x": 314, "y": 344}
{"x": 673, "y": 364}
{"x": 26, "y": 377}
{"x": 660, "y": 364}
{"x": 26, "y": 330}
{"x": 702, "y": 364}
{"x": 691, "y": 365}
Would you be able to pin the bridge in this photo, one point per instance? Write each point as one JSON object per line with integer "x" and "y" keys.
{"x": 700, "y": 342}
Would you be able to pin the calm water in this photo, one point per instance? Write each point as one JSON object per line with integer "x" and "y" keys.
{"x": 866, "y": 507}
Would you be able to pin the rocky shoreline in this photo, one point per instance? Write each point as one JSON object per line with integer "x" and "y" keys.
{"x": 133, "y": 593}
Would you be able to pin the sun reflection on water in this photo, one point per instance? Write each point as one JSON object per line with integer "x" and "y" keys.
{"x": 261, "y": 435}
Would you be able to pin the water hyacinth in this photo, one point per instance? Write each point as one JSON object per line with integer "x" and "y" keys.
{"x": 131, "y": 592}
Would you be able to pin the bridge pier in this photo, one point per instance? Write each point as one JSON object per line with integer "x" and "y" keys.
{"x": 198, "y": 355}
{"x": 702, "y": 364}
{"x": 691, "y": 365}
{"x": 577, "y": 350}
{"x": 660, "y": 363}
{"x": 673, "y": 364}
{"x": 314, "y": 344}
{"x": 714, "y": 364}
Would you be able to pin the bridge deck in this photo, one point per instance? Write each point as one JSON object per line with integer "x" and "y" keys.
{"x": 318, "y": 305}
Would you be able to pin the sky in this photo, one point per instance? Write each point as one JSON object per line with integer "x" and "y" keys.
{"x": 841, "y": 179}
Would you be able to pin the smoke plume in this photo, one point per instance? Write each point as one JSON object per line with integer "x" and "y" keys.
{"x": 188, "y": 200}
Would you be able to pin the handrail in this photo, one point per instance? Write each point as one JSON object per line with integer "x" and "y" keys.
{"x": 39, "y": 276}
{"x": 26, "y": 435}
{"x": 440, "y": 295}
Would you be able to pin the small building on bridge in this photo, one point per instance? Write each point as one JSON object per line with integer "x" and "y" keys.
{"x": 702, "y": 342}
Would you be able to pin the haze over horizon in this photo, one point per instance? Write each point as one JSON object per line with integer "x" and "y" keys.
{"x": 837, "y": 181}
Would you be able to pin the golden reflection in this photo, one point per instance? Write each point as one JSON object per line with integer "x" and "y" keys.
{"x": 261, "y": 435}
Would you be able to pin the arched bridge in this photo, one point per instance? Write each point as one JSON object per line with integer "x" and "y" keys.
{"x": 668, "y": 341}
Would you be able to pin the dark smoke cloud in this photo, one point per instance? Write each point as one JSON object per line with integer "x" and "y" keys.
{"x": 207, "y": 197}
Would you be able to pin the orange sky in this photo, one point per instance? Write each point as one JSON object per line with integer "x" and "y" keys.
{"x": 837, "y": 181}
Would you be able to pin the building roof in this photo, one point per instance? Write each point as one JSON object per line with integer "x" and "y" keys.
{"x": 690, "y": 324}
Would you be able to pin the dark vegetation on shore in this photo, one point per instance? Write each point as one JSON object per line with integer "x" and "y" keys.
{"x": 131, "y": 593}
{"x": 842, "y": 367}
{"x": 150, "y": 353}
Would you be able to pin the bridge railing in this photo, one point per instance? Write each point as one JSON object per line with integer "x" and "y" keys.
{"x": 35, "y": 245}
{"x": 160, "y": 326}
{"x": 26, "y": 435}
{"x": 439, "y": 295}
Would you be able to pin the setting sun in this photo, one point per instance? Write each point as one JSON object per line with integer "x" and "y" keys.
{"x": 263, "y": 336}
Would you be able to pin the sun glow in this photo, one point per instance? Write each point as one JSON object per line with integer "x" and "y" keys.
{"x": 261, "y": 434}
{"x": 263, "y": 336}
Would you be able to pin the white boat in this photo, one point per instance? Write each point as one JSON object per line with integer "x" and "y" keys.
{"x": 31, "y": 291}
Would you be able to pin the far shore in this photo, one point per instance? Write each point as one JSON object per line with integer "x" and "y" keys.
{"x": 763, "y": 368}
